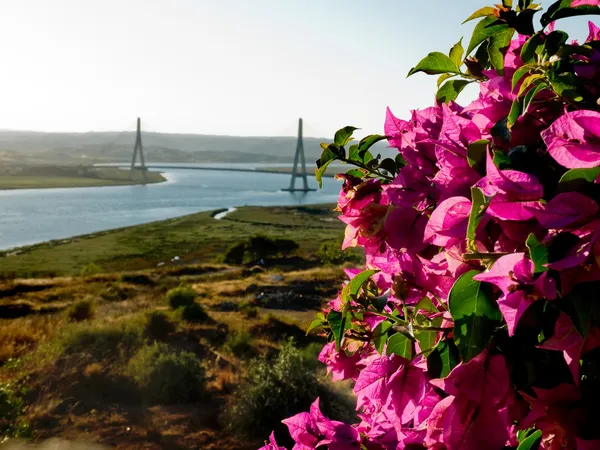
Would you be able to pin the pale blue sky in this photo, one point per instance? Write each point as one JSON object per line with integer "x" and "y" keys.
{"x": 238, "y": 67}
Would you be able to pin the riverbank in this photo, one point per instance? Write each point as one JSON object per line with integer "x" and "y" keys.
{"x": 196, "y": 238}
{"x": 39, "y": 177}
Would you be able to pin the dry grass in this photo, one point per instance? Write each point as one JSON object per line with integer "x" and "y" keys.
{"x": 74, "y": 386}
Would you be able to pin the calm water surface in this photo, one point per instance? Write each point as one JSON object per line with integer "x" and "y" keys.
{"x": 35, "y": 215}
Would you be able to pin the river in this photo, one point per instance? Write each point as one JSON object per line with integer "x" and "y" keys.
{"x": 31, "y": 216}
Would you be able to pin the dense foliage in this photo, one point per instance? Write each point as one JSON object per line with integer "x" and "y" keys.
{"x": 477, "y": 322}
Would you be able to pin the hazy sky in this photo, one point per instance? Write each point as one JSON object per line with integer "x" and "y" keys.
{"x": 238, "y": 67}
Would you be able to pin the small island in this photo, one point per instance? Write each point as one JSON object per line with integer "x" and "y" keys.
{"x": 69, "y": 176}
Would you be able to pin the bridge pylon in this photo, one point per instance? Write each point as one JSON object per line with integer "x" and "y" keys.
{"x": 138, "y": 147}
{"x": 299, "y": 171}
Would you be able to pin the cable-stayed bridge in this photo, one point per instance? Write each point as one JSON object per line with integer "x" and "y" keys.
{"x": 299, "y": 173}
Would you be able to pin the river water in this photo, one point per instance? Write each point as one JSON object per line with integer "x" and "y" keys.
{"x": 30, "y": 216}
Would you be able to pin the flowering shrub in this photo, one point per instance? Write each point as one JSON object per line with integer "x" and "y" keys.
{"x": 477, "y": 322}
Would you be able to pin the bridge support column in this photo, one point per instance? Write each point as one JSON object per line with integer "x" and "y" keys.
{"x": 138, "y": 147}
{"x": 299, "y": 159}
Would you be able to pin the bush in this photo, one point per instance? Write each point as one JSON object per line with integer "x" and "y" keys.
{"x": 239, "y": 343}
{"x": 80, "y": 310}
{"x": 261, "y": 247}
{"x": 273, "y": 390}
{"x": 166, "y": 376}
{"x": 249, "y": 311}
{"x": 90, "y": 269}
{"x": 194, "y": 313}
{"x": 114, "y": 292}
{"x": 331, "y": 253}
{"x": 139, "y": 278}
{"x": 235, "y": 254}
{"x": 11, "y": 410}
{"x": 100, "y": 341}
{"x": 158, "y": 325}
{"x": 285, "y": 247}
{"x": 183, "y": 295}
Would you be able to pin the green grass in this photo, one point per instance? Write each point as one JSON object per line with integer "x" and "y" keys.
{"x": 194, "y": 238}
{"x": 68, "y": 177}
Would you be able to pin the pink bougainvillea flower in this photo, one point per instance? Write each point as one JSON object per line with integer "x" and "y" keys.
{"x": 513, "y": 275}
{"x": 339, "y": 364}
{"x": 576, "y": 3}
{"x": 448, "y": 221}
{"x": 272, "y": 445}
{"x": 458, "y": 423}
{"x": 336, "y": 435}
{"x": 573, "y": 140}
{"x": 484, "y": 379}
{"x": 594, "y": 34}
{"x": 588, "y": 235}
{"x": 304, "y": 431}
{"x": 564, "y": 210}
{"x": 512, "y": 192}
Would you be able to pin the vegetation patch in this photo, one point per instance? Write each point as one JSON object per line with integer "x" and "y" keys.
{"x": 164, "y": 375}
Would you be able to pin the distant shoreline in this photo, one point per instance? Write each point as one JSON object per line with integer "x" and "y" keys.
{"x": 72, "y": 177}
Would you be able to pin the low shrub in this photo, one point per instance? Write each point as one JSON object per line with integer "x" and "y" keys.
{"x": 138, "y": 278}
{"x": 249, "y": 311}
{"x": 166, "y": 376}
{"x": 235, "y": 254}
{"x": 194, "y": 313}
{"x": 81, "y": 310}
{"x": 11, "y": 412}
{"x": 331, "y": 253}
{"x": 90, "y": 269}
{"x": 274, "y": 389}
{"x": 239, "y": 343}
{"x": 158, "y": 325}
{"x": 100, "y": 340}
{"x": 183, "y": 295}
{"x": 114, "y": 292}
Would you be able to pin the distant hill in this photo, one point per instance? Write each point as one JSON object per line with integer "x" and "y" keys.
{"x": 158, "y": 147}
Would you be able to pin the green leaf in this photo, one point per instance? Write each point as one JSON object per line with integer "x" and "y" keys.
{"x": 531, "y": 94}
{"x": 358, "y": 173}
{"x": 483, "y": 30}
{"x": 519, "y": 73}
{"x": 483, "y": 12}
{"x": 456, "y": 53}
{"x": 514, "y": 114}
{"x": 475, "y": 315}
{"x": 476, "y": 153}
{"x": 435, "y": 63}
{"x": 531, "y": 442}
{"x": 479, "y": 205}
{"x": 561, "y": 10}
{"x": 555, "y": 41}
{"x": 498, "y": 46}
{"x": 318, "y": 322}
{"x": 426, "y": 304}
{"x": 380, "y": 335}
{"x": 400, "y": 161}
{"x": 538, "y": 253}
{"x": 501, "y": 160}
{"x": 443, "y": 77}
{"x": 399, "y": 344}
{"x": 533, "y": 46}
{"x": 426, "y": 340}
{"x": 450, "y": 90}
{"x": 565, "y": 85}
{"x": 368, "y": 141}
{"x": 575, "y": 178}
{"x": 352, "y": 289}
{"x": 320, "y": 171}
{"x": 337, "y": 323}
{"x": 344, "y": 135}
{"x": 443, "y": 359}
{"x": 389, "y": 165}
